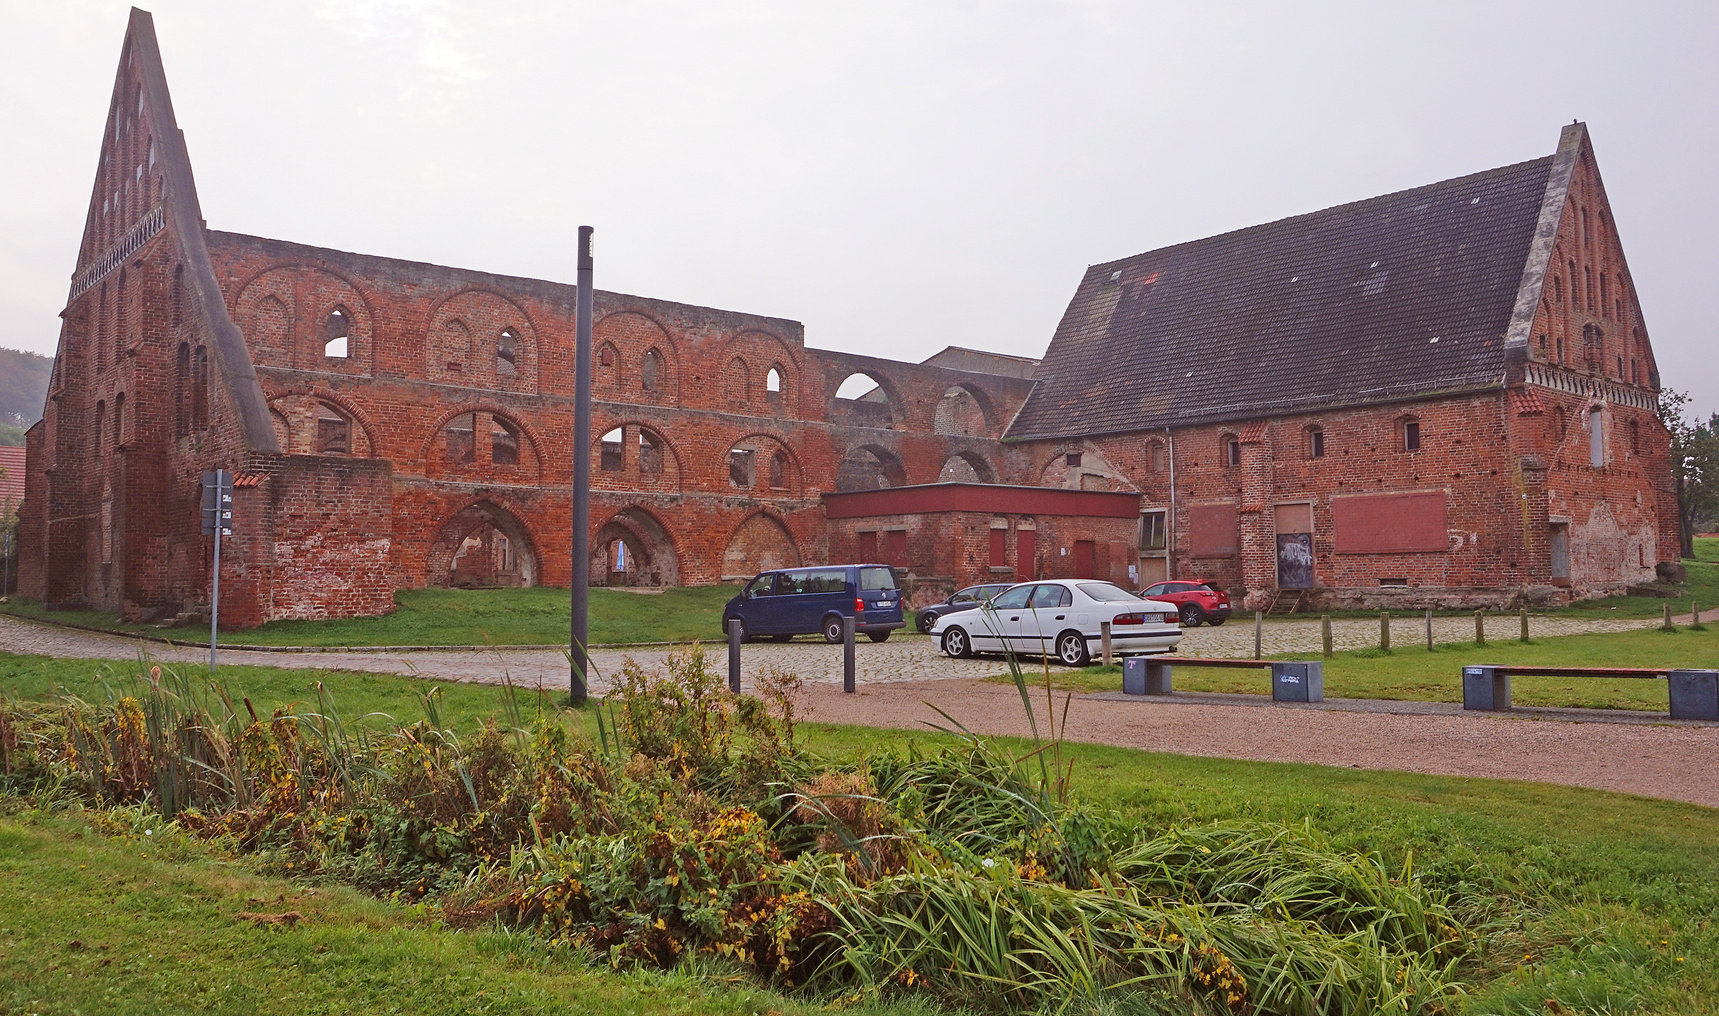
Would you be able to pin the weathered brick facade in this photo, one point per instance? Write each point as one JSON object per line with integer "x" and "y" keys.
{"x": 397, "y": 424}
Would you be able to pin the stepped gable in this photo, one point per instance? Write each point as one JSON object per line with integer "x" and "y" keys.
{"x": 1406, "y": 294}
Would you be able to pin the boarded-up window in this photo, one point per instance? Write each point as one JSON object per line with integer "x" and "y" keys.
{"x": 1212, "y": 530}
{"x": 895, "y": 547}
{"x": 1294, "y": 518}
{"x": 868, "y": 546}
{"x": 999, "y": 548}
{"x": 1390, "y": 523}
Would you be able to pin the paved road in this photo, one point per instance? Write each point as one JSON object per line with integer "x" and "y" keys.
{"x": 903, "y": 658}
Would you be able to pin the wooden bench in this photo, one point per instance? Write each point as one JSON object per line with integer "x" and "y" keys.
{"x": 1291, "y": 680}
{"x": 1694, "y": 693}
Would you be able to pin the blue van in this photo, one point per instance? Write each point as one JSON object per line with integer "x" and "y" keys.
{"x": 811, "y": 601}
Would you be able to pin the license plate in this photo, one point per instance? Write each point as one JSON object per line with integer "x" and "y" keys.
{"x": 884, "y": 603}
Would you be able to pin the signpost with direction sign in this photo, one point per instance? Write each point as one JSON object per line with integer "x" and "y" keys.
{"x": 217, "y": 522}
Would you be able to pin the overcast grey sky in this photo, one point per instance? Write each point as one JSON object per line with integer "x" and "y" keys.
{"x": 898, "y": 176}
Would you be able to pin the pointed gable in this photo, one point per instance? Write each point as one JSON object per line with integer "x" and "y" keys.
{"x": 1400, "y": 295}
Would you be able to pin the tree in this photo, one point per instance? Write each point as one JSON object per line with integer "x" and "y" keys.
{"x": 1694, "y": 467}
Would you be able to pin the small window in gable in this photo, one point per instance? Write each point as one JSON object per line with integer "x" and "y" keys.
{"x": 333, "y": 432}
{"x": 1232, "y": 450}
{"x": 742, "y": 468}
{"x": 336, "y": 333}
{"x": 650, "y": 452}
{"x": 1315, "y": 443}
{"x": 651, "y": 371}
{"x": 1072, "y": 459}
{"x": 507, "y": 353}
{"x": 503, "y": 443}
{"x": 609, "y": 452}
{"x": 462, "y": 439}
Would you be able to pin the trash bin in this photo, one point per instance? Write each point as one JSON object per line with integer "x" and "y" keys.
{"x": 1485, "y": 687}
{"x": 1694, "y": 694}
{"x": 1298, "y": 681}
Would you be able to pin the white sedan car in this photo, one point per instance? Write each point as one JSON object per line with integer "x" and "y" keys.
{"x": 1060, "y": 618}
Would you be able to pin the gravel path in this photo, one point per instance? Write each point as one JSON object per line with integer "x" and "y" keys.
{"x": 897, "y": 677}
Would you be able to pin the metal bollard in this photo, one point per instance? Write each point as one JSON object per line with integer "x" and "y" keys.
{"x": 1429, "y": 630}
{"x": 1104, "y": 638}
{"x": 734, "y": 655}
{"x": 848, "y": 654}
{"x": 1524, "y": 624}
{"x": 1480, "y": 627}
{"x": 1325, "y": 630}
{"x": 1667, "y": 624}
{"x": 1258, "y": 632}
{"x": 1384, "y": 631}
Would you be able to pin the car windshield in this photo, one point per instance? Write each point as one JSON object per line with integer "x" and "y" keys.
{"x": 877, "y": 578}
{"x": 1106, "y": 592}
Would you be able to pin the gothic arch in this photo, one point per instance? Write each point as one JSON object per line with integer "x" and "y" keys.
{"x": 761, "y": 542}
{"x": 965, "y": 410}
{"x": 633, "y": 473}
{"x": 966, "y": 467}
{"x": 530, "y": 465}
{"x": 306, "y": 292}
{"x": 291, "y": 404}
{"x": 767, "y": 447}
{"x": 484, "y": 543}
{"x": 634, "y": 548}
{"x": 870, "y": 467}
{"x": 880, "y": 408}
{"x": 633, "y": 333}
{"x": 483, "y": 314}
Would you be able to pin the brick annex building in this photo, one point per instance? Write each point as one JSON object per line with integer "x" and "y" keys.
{"x": 1444, "y": 395}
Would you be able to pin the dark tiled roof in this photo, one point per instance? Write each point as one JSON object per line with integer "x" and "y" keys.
{"x": 1337, "y": 307}
{"x": 977, "y": 361}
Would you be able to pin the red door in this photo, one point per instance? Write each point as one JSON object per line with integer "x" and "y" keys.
{"x": 1083, "y": 560}
{"x": 1024, "y": 552}
{"x": 999, "y": 548}
{"x": 868, "y": 548}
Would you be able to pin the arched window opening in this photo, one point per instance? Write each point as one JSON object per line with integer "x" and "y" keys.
{"x": 98, "y": 434}
{"x": 1157, "y": 457}
{"x": 462, "y": 439}
{"x": 1558, "y": 288}
{"x": 503, "y": 443}
{"x": 736, "y": 383}
{"x": 1409, "y": 434}
{"x": 119, "y": 420}
{"x": 959, "y": 414}
{"x": 609, "y": 452}
{"x": 333, "y": 431}
{"x": 743, "y": 467}
{"x": 653, "y": 371}
{"x": 178, "y": 295}
{"x": 1315, "y": 442}
{"x": 773, "y": 382}
{"x": 337, "y": 334}
{"x": 1560, "y": 422}
{"x": 1231, "y": 450}
{"x": 507, "y": 353}
{"x": 780, "y": 468}
{"x": 1560, "y": 349}
{"x": 182, "y": 381}
{"x": 861, "y": 401}
{"x": 965, "y": 467}
{"x": 650, "y": 452}
{"x": 456, "y": 345}
{"x": 1597, "y": 437}
{"x": 870, "y": 468}
{"x": 200, "y": 389}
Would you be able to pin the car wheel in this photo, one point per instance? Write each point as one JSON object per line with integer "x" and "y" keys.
{"x": 781, "y": 638}
{"x": 956, "y": 643}
{"x": 926, "y": 619}
{"x": 1071, "y": 649}
{"x": 833, "y": 628}
{"x": 1215, "y": 621}
{"x": 1192, "y": 615}
{"x": 877, "y": 636}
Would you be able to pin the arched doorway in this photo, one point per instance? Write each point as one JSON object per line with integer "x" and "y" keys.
{"x": 761, "y": 543}
{"x": 632, "y": 549}
{"x": 482, "y": 545}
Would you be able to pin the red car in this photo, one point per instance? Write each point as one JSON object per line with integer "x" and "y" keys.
{"x": 1198, "y": 600}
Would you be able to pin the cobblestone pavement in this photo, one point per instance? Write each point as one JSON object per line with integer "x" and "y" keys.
{"x": 902, "y": 658}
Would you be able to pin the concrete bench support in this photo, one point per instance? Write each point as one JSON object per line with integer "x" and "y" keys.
{"x": 1485, "y": 688}
{"x": 1141, "y": 676}
{"x": 1694, "y": 694}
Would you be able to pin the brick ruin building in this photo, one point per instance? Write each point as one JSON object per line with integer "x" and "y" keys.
{"x": 1444, "y": 395}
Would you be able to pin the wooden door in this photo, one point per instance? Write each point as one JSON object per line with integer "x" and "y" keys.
{"x": 1084, "y": 565}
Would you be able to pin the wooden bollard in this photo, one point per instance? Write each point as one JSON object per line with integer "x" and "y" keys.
{"x": 1694, "y": 614}
{"x": 1258, "y": 632}
{"x": 1524, "y": 624}
{"x": 1104, "y": 638}
{"x": 1384, "y": 631}
{"x": 1325, "y": 630}
{"x": 1429, "y": 630}
{"x": 1480, "y": 627}
{"x": 1668, "y": 626}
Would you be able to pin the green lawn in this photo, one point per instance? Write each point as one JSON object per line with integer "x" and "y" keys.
{"x": 1416, "y": 674}
{"x": 1598, "y": 895}
{"x": 1701, "y": 588}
